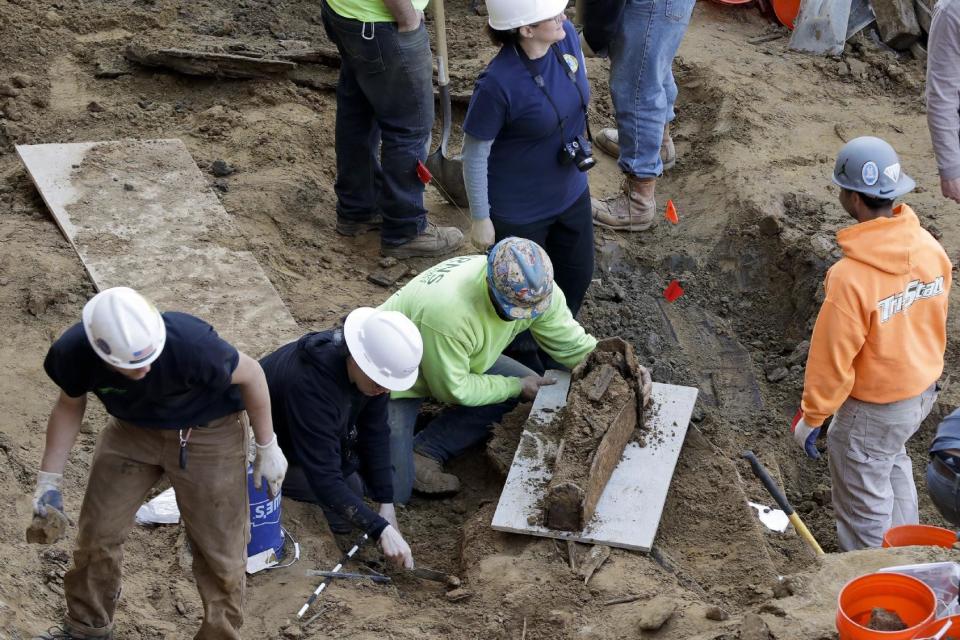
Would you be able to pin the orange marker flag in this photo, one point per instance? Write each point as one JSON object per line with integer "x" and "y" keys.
{"x": 671, "y": 213}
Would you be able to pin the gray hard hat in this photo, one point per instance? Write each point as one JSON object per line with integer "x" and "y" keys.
{"x": 870, "y": 166}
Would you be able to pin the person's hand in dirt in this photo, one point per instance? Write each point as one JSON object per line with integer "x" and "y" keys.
{"x": 395, "y": 548}
{"x": 805, "y": 435}
{"x": 48, "y": 494}
{"x": 481, "y": 234}
{"x": 951, "y": 188}
{"x": 530, "y": 385}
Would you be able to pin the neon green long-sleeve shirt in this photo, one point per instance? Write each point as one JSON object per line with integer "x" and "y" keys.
{"x": 463, "y": 335}
{"x": 369, "y": 10}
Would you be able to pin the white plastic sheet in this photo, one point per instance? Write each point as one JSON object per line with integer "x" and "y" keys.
{"x": 942, "y": 577}
{"x": 160, "y": 510}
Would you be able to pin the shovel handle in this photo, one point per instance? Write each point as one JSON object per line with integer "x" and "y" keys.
{"x": 440, "y": 18}
{"x": 761, "y": 472}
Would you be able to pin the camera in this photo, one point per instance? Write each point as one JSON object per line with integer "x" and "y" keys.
{"x": 579, "y": 152}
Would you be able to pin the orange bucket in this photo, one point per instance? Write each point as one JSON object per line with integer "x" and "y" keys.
{"x": 907, "y": 535}
{"x": 908, "y": 597}
{"x": 932, "y": 628}
{"x": 786, "y": 11}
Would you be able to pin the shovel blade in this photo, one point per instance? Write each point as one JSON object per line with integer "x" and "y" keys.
{"x": 448, "y": 177}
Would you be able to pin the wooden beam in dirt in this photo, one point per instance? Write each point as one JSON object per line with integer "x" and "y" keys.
{"x": 628, "y": 512}
{"x": 140, "y": 214}
{"x": 207, "y": 63}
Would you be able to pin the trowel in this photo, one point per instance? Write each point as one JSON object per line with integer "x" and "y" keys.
{"x": 821, "y": 27}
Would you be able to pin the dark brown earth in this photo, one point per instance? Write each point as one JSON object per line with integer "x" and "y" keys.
{"x": 757, "y": 129}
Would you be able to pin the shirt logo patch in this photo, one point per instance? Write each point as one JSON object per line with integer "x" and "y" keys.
{"x": 916, "y": 290}
{"x": 572, "y": 62}
{"x": 870, "y": 173}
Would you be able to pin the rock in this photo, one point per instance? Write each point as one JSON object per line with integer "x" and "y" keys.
{"x": 221, "y": 168}
{"x": 8, "y": 91}
{"x": 128, "y": 187}
{"x": 784, "y": 587}
{"x": 12, "y": 112}
{"x": 858, "y": 68}
{"x": 654, "y": 345}
{"x": 182, "y": 610}
{"x": 655, "y": 613}
{"x": 95, "y": 107}
{"x": 47, "y": 529}
{"x": 457, "y": 595}
{"x": 21, "y": 80}
{"x": 292, "y": 631}
{"x": 771, "y": 225}
{"x": 221, "y": 185}
{"x": 822, "y": 495}
{"x": 52, "y": 18}
{"x": 896, "y": 22}
{"x": 754, "y": 628}
{"x": 799, "y": 353}
{"x": 717, "y": 614}
{"x": 777, "y": 374}
{"x": 388, "y": 262}
{"x": 109, "y": 71}
{"x": 885, "y": 620}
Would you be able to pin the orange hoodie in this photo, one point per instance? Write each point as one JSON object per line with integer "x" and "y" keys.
{"x": 882, "y": 329}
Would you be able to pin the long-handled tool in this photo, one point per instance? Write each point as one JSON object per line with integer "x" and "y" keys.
{"x": 447, "y": 171}
{"x": 323, "y": 584}
{"x": 761, "y": 472}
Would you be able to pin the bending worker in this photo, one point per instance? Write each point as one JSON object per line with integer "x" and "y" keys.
{"x": 329, "y": 393}
{"x": 877, "y": 347}
{"x": 467, "y": 310}
{"x": 176, "y": 393}
{"x": 943, "y": 470}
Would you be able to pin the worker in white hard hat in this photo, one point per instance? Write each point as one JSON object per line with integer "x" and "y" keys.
{"x": 877, "y": 347}
{"x": 329, "y": 392}
{"x": 175, "y": 392}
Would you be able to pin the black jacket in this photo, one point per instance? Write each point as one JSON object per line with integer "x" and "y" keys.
{"x": 327, "y": 426}
{"x": 601, "y": 19}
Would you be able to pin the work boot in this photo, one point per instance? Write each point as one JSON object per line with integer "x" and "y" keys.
{"x": 434, "y": 241}
{"x": 429, "y": 478}
{"x": 608, "y": 141}
{"x": 62, "y": 633}
{"x": 350, "y": 228}
{"x": 632, "y": 210}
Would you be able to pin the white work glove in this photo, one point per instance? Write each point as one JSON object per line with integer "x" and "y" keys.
{"x": 396, "y": 548}
{"x": 805, "y": 435}
{"x": 48, "y": 494}
{"x": 645, "y": 384}
{"x": 270, "y": 465}
{"x": 481, "y": 233}
{"x": 389, "y": 513}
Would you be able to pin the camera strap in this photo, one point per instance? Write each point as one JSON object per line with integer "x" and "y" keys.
{"x": 538, "y": 80}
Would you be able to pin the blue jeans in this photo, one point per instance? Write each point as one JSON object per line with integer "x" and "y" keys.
{"x": 944, "y": 491}
{"x": 641, "y": 79}
{"x": 385, "y": 100}
{"x": 448, "y": 435}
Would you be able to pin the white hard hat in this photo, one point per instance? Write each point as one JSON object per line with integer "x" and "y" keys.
{"x": 504, "y": 15}
{"x": 124, "y": 328}
{"x": 386, "y": 346}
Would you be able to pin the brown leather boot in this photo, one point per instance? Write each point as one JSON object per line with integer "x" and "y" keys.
{"x": 429, "y": 478}
{"x": 668, "y": 152}
{"x": 633, "y": 210}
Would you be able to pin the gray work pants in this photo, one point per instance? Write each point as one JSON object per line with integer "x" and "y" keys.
{"x": 872, "y": 474}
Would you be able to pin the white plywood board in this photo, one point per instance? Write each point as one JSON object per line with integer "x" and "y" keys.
{"x": 140, "y": 214}
{"x": 630, "y": 507}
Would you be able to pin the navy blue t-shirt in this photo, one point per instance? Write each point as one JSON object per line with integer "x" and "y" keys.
{"x": 188, "y": 385}
{"x": 527, "y": 183}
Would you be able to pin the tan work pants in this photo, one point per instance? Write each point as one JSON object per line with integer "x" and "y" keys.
{"x": 872, "y": 474}
{"x": 214, "y": 506}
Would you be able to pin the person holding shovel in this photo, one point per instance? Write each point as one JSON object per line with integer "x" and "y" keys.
{"x": 175, "y": 393}
{"x": 525, "y": 149}
{"x": 877, "y": 347}
{"x": 329, "y": 392}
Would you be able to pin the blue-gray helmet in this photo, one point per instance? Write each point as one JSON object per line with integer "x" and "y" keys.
{"x": 870, "y": 166}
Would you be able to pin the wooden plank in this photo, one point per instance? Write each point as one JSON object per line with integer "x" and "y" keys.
{"x": 629, "y": 510}
{"x": 140, "y": 214}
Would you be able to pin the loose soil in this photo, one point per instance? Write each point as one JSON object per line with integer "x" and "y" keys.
{"x": 756, "y": 133}
{"x": 885, "y": 620}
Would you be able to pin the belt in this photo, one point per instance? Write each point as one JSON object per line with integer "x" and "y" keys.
{"x": 942, "y": 468}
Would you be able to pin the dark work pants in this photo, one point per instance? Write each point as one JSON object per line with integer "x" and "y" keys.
{"x": 385, "y": 100}
{"x": 568, "y": 240}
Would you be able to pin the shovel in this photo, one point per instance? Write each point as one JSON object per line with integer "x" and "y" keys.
{"x": 821, "y": 27}
{"x": 446, "y": 171}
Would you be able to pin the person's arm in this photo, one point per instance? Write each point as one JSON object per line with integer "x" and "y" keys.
{"x": 62, "y": 429}
{"x": 476, "y": 153}
{"x": 560, "y": 335}
{"x": 270, "y": 464}
{"x": 406, "y": 17}
{"x": 838, "y": 336}
{"x": 373, "y": 449}
{"x": 943, "y": 95}
{"x": 446, "y": 369}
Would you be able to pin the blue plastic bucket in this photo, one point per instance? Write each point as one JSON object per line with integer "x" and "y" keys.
{"x": 265, "y": 530}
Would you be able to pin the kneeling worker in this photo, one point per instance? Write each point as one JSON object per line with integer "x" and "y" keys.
{"x": 329, "y": 393}
{"x": 943, "y": 471}
{"x": 175, "y": 392}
